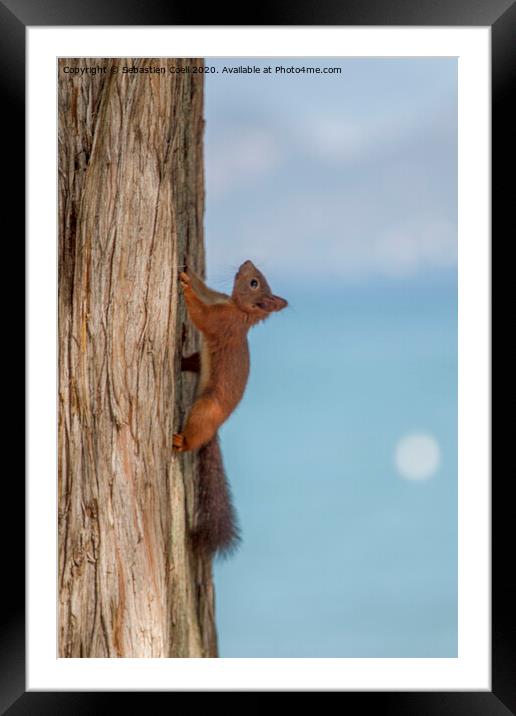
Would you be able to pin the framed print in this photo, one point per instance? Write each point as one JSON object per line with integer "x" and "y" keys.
{"x": 233, "y": 164}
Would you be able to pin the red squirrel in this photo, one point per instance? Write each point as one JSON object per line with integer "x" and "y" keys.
{"x": 223, "y": 365}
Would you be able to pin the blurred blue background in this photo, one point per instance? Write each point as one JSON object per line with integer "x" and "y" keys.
{"x": 343, "y": 453}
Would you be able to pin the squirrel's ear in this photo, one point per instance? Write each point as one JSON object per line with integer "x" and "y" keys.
{"x": 247, "y": 266}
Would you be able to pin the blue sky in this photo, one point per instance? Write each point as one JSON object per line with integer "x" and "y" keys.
{"x": 343, "y": 190}
{"x": 363, "y": 163}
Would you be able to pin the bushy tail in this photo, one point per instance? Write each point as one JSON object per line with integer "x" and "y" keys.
{"x": 216, "y": 530}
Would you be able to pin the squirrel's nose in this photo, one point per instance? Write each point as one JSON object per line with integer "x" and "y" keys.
{"x": 279, "y": 303}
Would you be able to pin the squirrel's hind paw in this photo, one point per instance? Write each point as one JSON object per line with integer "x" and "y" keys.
{"x": 178, "y": 442}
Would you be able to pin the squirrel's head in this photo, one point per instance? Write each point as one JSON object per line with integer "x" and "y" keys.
{"x": 252, "y": 293}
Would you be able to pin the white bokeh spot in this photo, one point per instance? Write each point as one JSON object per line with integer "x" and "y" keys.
{"x": 417, "y": 456}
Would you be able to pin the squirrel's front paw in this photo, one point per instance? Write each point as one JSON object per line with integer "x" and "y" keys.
{"x": 184, "y": 279}
{"x": 178, "y": 442}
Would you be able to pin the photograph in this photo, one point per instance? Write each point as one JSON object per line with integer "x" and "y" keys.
{"x": 257, "y": 357}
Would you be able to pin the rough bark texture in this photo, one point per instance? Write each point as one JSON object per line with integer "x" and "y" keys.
{"x": 130, "y": 215}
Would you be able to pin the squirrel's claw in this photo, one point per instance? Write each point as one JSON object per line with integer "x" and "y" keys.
{"x": 184, "y": 279}
{"x": 178, "y": 442}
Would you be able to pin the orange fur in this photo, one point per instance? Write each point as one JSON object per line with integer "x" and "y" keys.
{"x": 224, "y": 322}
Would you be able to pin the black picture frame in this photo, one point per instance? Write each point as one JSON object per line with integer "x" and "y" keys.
{"x": 500, "y": 15}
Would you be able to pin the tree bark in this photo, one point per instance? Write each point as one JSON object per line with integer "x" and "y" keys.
{"x": 131, "y": 202}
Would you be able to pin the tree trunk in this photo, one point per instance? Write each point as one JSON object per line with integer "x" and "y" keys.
{"x": 131, "y": 203}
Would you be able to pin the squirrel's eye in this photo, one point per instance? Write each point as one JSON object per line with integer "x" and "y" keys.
{"x": 253, "y": 283}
